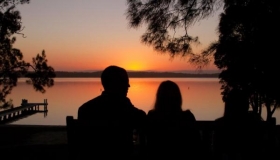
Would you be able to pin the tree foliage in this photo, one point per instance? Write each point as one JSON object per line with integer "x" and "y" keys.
{"x": 246, "y": 51}
{"x": 12, "y": 65}
{"x": 166, "y": 18}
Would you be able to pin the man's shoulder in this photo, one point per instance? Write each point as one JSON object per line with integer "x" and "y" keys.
{"x": 188, "y": 112}
{"x": 132, "y": 108}
{"x": 91, "y": 102}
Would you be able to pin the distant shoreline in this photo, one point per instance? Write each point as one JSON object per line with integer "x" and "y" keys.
{"x": 140, "y": 74}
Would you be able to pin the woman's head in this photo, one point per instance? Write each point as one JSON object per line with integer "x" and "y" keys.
{"x": 168, "y": 97}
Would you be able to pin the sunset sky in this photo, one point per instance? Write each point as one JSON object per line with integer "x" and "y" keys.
{"x": 92, "y": 34}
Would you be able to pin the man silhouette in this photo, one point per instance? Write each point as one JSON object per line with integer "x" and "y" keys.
{"x": 111, "y": 116}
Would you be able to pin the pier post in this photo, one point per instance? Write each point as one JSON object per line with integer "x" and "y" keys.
{"x": 24, "y": 102}
{"x": 45, "y": 105}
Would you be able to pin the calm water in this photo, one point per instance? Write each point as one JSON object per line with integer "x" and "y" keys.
{"x": 200, "y": 95}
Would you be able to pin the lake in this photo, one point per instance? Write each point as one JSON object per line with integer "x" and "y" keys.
{"x": 200, "y": 95}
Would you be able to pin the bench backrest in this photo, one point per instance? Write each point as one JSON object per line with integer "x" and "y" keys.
{"x": 97, "y": 140}
{"x": 76, "y": 133}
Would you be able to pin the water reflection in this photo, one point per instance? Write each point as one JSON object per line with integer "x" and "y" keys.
{"x": 200, "y": 95}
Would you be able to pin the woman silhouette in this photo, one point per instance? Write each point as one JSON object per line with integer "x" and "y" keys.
{"x": 171, "y": 131}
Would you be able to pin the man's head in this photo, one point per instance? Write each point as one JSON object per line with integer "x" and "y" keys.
{"x": 115, "y": 80}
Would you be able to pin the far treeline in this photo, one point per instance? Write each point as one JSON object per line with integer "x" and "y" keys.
{"x": 140, "y": 74}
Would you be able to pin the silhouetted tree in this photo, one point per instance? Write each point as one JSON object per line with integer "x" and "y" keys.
{"x": 245, "y": 52}
{"x": 166, "y": 18}
{"x": 12, "y": 65}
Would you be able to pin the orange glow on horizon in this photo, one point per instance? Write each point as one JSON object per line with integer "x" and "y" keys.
{"x": 142, "y": 60}
{"x": 135, "y": 66}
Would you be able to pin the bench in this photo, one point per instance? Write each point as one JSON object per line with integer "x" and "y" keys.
{"x": 114, "y": 140}
{"x": 207, "y": 132}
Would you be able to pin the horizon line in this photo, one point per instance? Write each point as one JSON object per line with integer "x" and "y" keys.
{"x": 178, "y": 71}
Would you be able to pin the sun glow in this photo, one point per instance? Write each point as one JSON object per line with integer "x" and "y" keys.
{"x": 135, "y": 66}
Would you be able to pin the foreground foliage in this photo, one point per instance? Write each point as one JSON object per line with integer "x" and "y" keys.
{"x": 12, "y": 65}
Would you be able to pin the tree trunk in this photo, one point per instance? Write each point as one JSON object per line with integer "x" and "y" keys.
{"x": 268, "y": 112}
{"x": 256, "y": 105}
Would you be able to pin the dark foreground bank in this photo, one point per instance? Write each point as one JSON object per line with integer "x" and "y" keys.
{"x": 33, "y": 142}
{"x": 50, "y": 142}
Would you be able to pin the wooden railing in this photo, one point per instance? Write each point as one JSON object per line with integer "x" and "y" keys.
{"x": 26, "y": 109}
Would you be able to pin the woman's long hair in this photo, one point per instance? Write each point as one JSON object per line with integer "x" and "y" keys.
{"x": 168, "y": 97}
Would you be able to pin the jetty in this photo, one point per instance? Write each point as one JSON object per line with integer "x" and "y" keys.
{"x": 26, "y": 109}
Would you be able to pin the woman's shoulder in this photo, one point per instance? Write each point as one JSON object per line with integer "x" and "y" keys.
{"x": 187, "y": 114}
{"x": 151, "y": 112}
